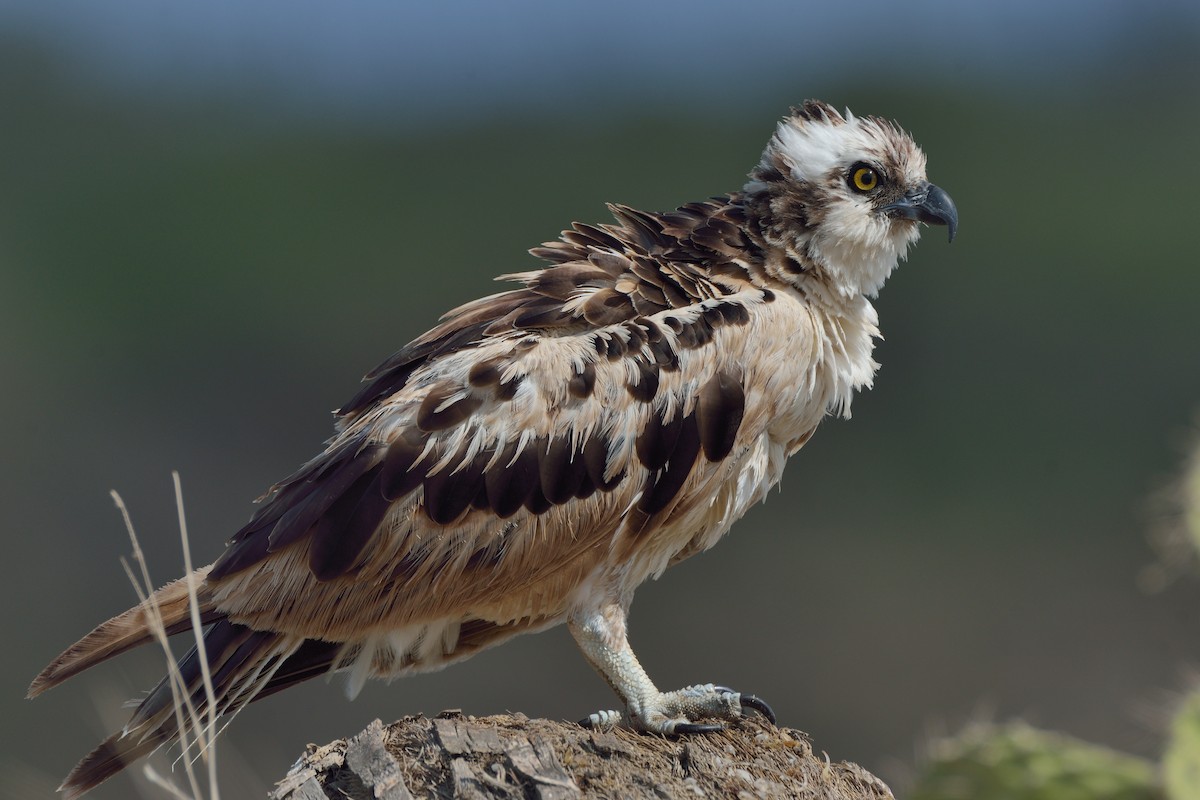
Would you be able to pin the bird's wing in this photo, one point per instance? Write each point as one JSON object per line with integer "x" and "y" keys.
{"x": 491, "y": 462}
{"x": 601, "y": 275}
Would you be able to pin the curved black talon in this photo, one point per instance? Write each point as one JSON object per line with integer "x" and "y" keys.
{"x": 759, "y": 705}
{"x": 697, "y": 727}
{"x": 751, "y": 702}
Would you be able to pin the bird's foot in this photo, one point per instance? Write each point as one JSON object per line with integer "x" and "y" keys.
{"x": 674, "y": 713}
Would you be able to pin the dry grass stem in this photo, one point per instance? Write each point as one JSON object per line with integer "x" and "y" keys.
{"x": 194, "y": 732}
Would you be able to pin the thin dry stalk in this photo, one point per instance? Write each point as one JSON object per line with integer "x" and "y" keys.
{"x": 193, "y": 732}
{"x": 210, "y": 730}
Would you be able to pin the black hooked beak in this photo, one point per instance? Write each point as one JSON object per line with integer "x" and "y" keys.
{"x": 926, "y": 203}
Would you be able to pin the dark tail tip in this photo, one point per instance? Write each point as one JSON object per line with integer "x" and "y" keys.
{"x": 113, "y": 755}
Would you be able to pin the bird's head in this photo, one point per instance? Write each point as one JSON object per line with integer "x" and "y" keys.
{"x": 841, "y": 198}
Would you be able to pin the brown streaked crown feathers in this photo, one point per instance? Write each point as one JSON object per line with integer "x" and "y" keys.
{"x": 542, "y": 451}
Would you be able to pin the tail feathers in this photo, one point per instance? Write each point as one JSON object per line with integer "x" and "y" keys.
{"x": 113, "y": 755}
{"x": 312, "y": 658}
{"x": 242, "y": 663}
{"x": 126, "y": 631}
{"x": 245, "y": 665}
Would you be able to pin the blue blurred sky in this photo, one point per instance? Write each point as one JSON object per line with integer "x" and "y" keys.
{"x": 388, "y": 58}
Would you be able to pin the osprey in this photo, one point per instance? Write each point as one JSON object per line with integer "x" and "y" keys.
{"x": 543, "y": 451}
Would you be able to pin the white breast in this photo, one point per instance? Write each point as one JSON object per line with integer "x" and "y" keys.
{"x": 800, "y": 364}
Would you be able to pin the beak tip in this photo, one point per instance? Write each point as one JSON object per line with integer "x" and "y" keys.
{"x": 942, "y": 208}
{"x": 929, "y": 204}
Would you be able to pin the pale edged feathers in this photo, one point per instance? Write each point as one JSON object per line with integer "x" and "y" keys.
{"x": 608, "y": 307}
{"x": 602, "y": 275}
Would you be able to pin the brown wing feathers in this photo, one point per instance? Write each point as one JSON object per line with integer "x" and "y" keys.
{"x": 604, "y": 276}
{"x": 298, "y": 503}
{"x": 668, "y": 447}
{"x": 646, "y": 264}
{"x": 637, "y": 295}
{"x": 719, "y": 409}
{"x": 340, "y": 505}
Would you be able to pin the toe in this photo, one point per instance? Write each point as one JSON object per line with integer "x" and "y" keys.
{"x": 601, "y": 720}
{"x": 750, "y": 702}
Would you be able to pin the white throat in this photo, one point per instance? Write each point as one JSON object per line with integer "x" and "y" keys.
{"x": 858, "y": 264}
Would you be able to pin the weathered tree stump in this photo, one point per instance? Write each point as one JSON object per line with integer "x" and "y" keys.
{"x": 455, "y": 756}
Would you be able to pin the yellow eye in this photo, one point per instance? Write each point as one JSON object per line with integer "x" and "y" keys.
{"x": 863, "y": 178}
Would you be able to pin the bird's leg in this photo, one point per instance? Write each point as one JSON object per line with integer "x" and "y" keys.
{"x": 601, "y": 635}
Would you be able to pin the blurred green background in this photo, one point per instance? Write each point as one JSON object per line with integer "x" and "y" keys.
{"x": 215, "y": 219}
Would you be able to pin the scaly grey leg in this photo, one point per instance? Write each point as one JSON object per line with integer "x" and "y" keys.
{"x": 601, "y": 635}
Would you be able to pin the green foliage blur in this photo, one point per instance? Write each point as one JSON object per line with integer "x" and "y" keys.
{"x": 1181, "y": 762}
{"x": 192, "y": 282}
{"x": 1018, "y": 762}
